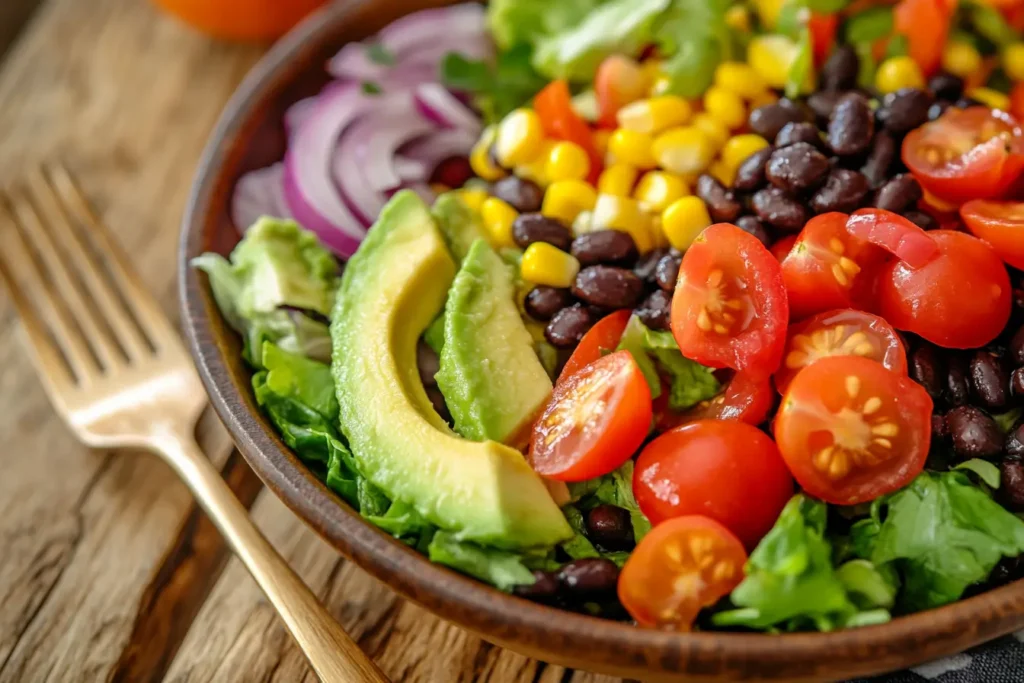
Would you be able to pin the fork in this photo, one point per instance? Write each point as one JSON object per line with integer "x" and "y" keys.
{"x": 115, "y": 370}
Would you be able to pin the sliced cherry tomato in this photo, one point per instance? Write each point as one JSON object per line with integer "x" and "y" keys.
{"x": 602, "y": 339}
{"x": 845, "y": 332}
{"x": 1001, "y": 224}
{"x": 1017, "y": 97}
{"x": 618, "y": 82}
{"x": 729, "y": 308}
{"x": 823, "y": 271}
{"x": 781, "y": 249}
{"x": 960, "y": 300}
{"x": 553, "y": 105}
{"x": 594, "y": 422}
{"x": 897, "y": 235}
{"x": 965, "y": 154}
{"x": 925, "y": 23}
{"x": 679, "y": 568}
{"x": 743, "y": 399}
{"x": 730, "y": 471}
{"x": 823, "y": 35}
{"x": 851, "y": 430}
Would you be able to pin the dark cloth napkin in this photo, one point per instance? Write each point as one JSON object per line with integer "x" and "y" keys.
{"x": 998, "y": 661}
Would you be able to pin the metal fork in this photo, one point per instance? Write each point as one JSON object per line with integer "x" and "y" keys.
{"x": 115, "y": 370}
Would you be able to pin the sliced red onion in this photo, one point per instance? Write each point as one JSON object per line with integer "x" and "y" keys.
{"x": 259, "y": 193}
{"x": 297, "y": 114}
{"x": 411, "y": 170}
{"x": 440, "y": 106}
{"x": 431, "y": 150}
{"x": 433, "y": 25}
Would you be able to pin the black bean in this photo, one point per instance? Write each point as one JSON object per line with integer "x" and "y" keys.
{"x": 646, "y": 266}
{"x": 589, "y": 577}
{"x": 768, "y": 120}
{"x": 974, "y": 434}
{"x": 926, "y": 368}
{"x": 1007, "y": 569}
{"x": 544, "y": 587}
{"x": 1017, "y": 383}
{"x": 534, "y": 227}
{"x": 843, "y": 191}
{"x": 612, "y": 247}
{"x": 797, "y": 168}
{"x": 946, "y": 86}
{"x": 958, "y": 383}
{"x": 939, "y": 428}
{"x": 901, "y": 192}
{"x": 610, "y": 527}
{"x": 938, "y": 109}
{"x": 608, "y": 287}
{"x": 920, "y": 219}
{"x": 523, "y": 195}
{"x": 851, "y": 126}
{"x": 822, "y": 103}
{"x": 543, "y": 302}
{"x": 775, "y": 208}
{"x": 667, "y": 271}
{"x": 1012, "y": 484}
{"x": 655, "y": 310}
{"x": 1016, "y": 349}
{"x": 754, "y": 226}
{"x": 799, "y": 131}
{"x": 841, "y": 69}
{"x": 905, "y": 109}
{"x": 453, "y": 172}
{"x": 880, "y": 159}
{"x": 1015, "y": 442}
{"x": 750, "y": 174}
{"x": 428, "y": 363}
{"x": 990, "y": 380}
{"x": 721, "y": 203}
{"x": 569, "y": 325}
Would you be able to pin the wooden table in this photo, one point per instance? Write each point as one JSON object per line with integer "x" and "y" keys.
{"x": 107, "y": 570}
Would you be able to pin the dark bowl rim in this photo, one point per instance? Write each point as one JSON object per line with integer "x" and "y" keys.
{"x": 505, "y": 619}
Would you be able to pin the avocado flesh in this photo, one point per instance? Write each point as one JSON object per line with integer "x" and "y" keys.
{"x": 490, "y": 375}
{"x": 392, "y": 288}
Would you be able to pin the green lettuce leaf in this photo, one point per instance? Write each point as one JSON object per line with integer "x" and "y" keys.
{"x": 614, "y": 488}
{"x": 306, "y": 381}
{"x": 527, "y": 21}
{"x": 695, "y": 38}
{"x": 500, "y": 568}
{"x": 497, "y": 88}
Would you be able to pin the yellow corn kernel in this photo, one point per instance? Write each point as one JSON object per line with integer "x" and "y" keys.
{"x": 480, "y": 157}
{"x": 617, "y": 179}
{"x": 546, "y": 264}
{"x": 658, "y": 239}
{"x": 737, "y": 18}
{"x": 739, "y": 147}
{"x": 631, "y": 147}
{"x": 716, "y": 132}
{"x": 537, "y": 170}
{"x": 686, "y": 149}
{"x": 684, "y": 220}
{"x": 768, "y": 11}
{"x": 740, "y": 78}
{"x": 497, "y": 217}
{"x": 726, "y": 106}
{"x": 1013, "y": 61}
{"x": 771, "y": 56}
{"x": 566, "y": 199}
{"x": 960, "y": 58}
{"x": 473, "y": 198}
{"x": 655, "y": 114}
{"x": 567, "y": 161}
{"x": 651, "y": 69}
{"x": 658, "y": 189}
{"x": 520, "y": 136}
{"x": 896, "y": 73}
{"x": 623, "y": 214}
{"x": 990, "y": 97}
{"x": 661, "y": 85}
{"x": 601, "y": 136}
{"x": 723, "y": 173}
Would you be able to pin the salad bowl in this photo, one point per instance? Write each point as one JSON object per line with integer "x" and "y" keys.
{"x": 250, "y": 135}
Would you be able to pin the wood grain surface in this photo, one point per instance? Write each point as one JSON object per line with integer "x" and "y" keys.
{"x": 107, "y": 570}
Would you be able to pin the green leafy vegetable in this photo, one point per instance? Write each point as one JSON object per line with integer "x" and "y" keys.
{"x": 512, "y": 22}
{"x": 897, "y": 47}
{"x": 990, "y": 24}
{"x": 695, "y": 38}
{"x": 497, "y": 89}
{"x": 306, "y": 381}
{"x": 870, "y": 25}
{"x": 827, "y": 6}
{"x": 985, "y": 471}
{"x": 500, "y": 568}
{"x": 1007, "y": 420}
{"x": 614, "y": 488}
{"x": 379, "y": 54}
{"x": 371, "y": 88}
{"x": 579, "y": 546}
{"x": 799, "y": 79}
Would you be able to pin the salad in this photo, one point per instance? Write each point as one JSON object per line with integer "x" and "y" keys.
{"x": 695, "y": 313}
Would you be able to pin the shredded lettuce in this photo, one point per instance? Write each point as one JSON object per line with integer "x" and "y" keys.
{"x": 614, "y": 488}
{"x": 500, "y": 568}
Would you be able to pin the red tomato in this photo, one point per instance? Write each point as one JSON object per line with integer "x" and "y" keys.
{"x": 960, "y": 300}
{"x": 679, "y": 568}
{"x": 845, "y": 332}
{"x": 601, "y": 340}
{"x": 851, "y": 430}
{"x": 730, "y": 471}
{"x": 743, "y": 399}
{"x": 729, "y": 308}
{"x": 823, "y": 270}
{"x": 1001, "y": 224}
{"x": 594, "y": 422}
{"x": 781, "y": 249}
{"x": 897, "y": 235}
{"x": 823, "y": 35}
{"x": 553, "y": 105}
{"x": 618, "y": 82}
{"x": 965, "y": 154}
{"x": 925, "y": 23}
{"x": 1017, "y": 99}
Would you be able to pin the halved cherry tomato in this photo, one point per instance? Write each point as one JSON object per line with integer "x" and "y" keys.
{"x": 1017, "y": 96}
{"x": 594, "y": 422}
{"x": 553, "y": 105}
{"x": 823, "y": 35}
{"x": 897, "y": 235}
{"x": 823, "y": 270}
{"x": 851, "y": 430}
{"x": 925, "y": 23}
{"x": 729, "y": 308}
{"x": 1001, "y": 224}
{"x": 965, "y": 154}
{"x": 679, "y": 568}
{"x": 743, "y": 399}
{"x": 781, "y": 249}
{"x": 960, "y": 300}
{"x": 730, "y": 471}
{"x": 618, "y": 82}
{"x": 601, "y": 340}
{"x": 845, "y": 332}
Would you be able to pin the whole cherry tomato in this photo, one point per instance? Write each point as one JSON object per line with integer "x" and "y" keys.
{"x": 618, "y": 82}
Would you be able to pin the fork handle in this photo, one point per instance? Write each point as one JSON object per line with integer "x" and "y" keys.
{"x": 332, "y": 653}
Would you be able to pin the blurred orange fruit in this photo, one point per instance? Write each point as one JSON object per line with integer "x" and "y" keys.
{"x": 258, "y": 20}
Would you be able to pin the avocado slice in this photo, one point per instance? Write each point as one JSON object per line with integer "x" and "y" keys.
{"x": 392, "y": 288}
{"x": 460, "y": 225}
{"x": 490, "y": 375}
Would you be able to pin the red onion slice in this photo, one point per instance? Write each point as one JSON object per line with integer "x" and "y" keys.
{"x": 259, "y": 193}
{"x": 298, "y": 113}
{"x": 442, "y": 107}
{"x": 411, "y": 170}
{"x": 432, "y": 149}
